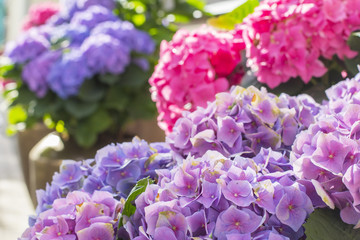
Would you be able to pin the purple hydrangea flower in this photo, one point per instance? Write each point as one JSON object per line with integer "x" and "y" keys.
{"x": 234, "y": 220}
{"x": 129, "y": 36}
{"x": 293, "y": 205}
{"x": 244, "y": 120}
{"x": 326, "y": 156}
{"x": 78, "y": 216}
{"x": 67, "y": 75}
{"x": 223, "y": 198}
{"x": 30, "y": 45}
{"x": 83, "y": 4}
{"x": 35, "y": 72}
{"x": 70, "y": 35}
{"x": 92, "y": 16}
{"x": 115, "y": 169}
{"x": 105, "y": 54}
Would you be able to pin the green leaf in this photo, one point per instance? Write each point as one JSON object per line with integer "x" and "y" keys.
{"x": 116, "y": 99}
{"x": 354, "y": 41}
{"x": 109, "y": 79}
{"x": 12, "y": 72}
{"x": 199, "y": 4}
{"x": 91, "y": 91}
{"x": 48, "y": 104}
{"x": 84, "y": 136}
{"x": 352, "y": 64}
{"x": 140, "y": 187}
{"x": 6, "y": 68}
{"x": 16, "y": 114}
{"x": 129, "y": 208}
{"x": 229, "y": 20}
{"x": 99, "y": 121}
{"x": 138, "y": 19}
{"x": 80, "y": 109}
{"x": 134, "y": 76}
{"x": 24, "y": 96}
{"x": 142, "y": 106}
{"x": 326, "y": 224}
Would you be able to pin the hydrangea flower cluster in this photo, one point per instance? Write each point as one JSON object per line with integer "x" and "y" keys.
{"x": 68, "y": 8}
{"x": 115, "y": 169}
{"x": 79, "y": 216}
{"x": 92, "y": 41}
{"x": 192, "y": 68}
{"x": 285, "y": 39}
{"x": 214, "y": 197}
{"x": 326, "y": 156}
{"x": 39, "y": 14}
{"x": 243, "y": 120}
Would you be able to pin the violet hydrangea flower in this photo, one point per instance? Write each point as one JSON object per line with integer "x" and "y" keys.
{"x": 78, "y": 216}
{"x": 35, "y": 72}
{"x": 244, "y": 120}
{"x": 116, "y": 168}
{"x": 327, "y": 154}
{"x": 92, "y": 16}
{"x": 224, "y": 198}
{"x": 68, "y": 73}
{"x": 27, "y": 47}
{"x": 105, "y": 54}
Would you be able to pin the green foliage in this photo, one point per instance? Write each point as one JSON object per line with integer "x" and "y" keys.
{"x": 84, "y": 136}
{"x": 16, "y": 114}
{"x": 80, "y": 109}
{"x": 134, "y": 76}
{"x": 129, "y": 208}
{"x": 354, "y": 43}
{"x": 158, "y": 17}
{"x": 91, "y": 91}
{"x": 326, "y": 224}
{"x": 140, "y": 187}
{"x": 197, "y": 4}
{"x": 104, "y": 103}
{"x": 99, "y": 121}
{"x": 229, "y": 20}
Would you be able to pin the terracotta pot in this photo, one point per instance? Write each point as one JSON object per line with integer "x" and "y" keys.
{"x": 26, "y": 141}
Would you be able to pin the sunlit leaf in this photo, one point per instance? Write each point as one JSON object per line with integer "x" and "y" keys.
{"x": 229, "y": 20}
{"x": 326, "y": 224}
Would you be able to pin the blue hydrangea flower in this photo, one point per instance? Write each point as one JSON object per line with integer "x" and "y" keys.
{"x": 116, "y": 168}
{"x": 124, "y": 31}
{"x": 27, "y": 47}
{"x": 105, "y": 54}
{"x": 83, "y": 4}
{"x": 35, "y": 72}
{"x": 92, "y": 16}
{"x": 67, "y": 74}
{"x": 73, "y": 34}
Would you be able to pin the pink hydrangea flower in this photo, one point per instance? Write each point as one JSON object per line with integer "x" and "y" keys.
{"x": 39, "y": 14}
{"x": 286, "y": 38}
{"x": 193, "y": 67}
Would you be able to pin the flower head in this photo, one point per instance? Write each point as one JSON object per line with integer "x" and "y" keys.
{"x": 286, "y": 39}
{"x": 191, "y": 71}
